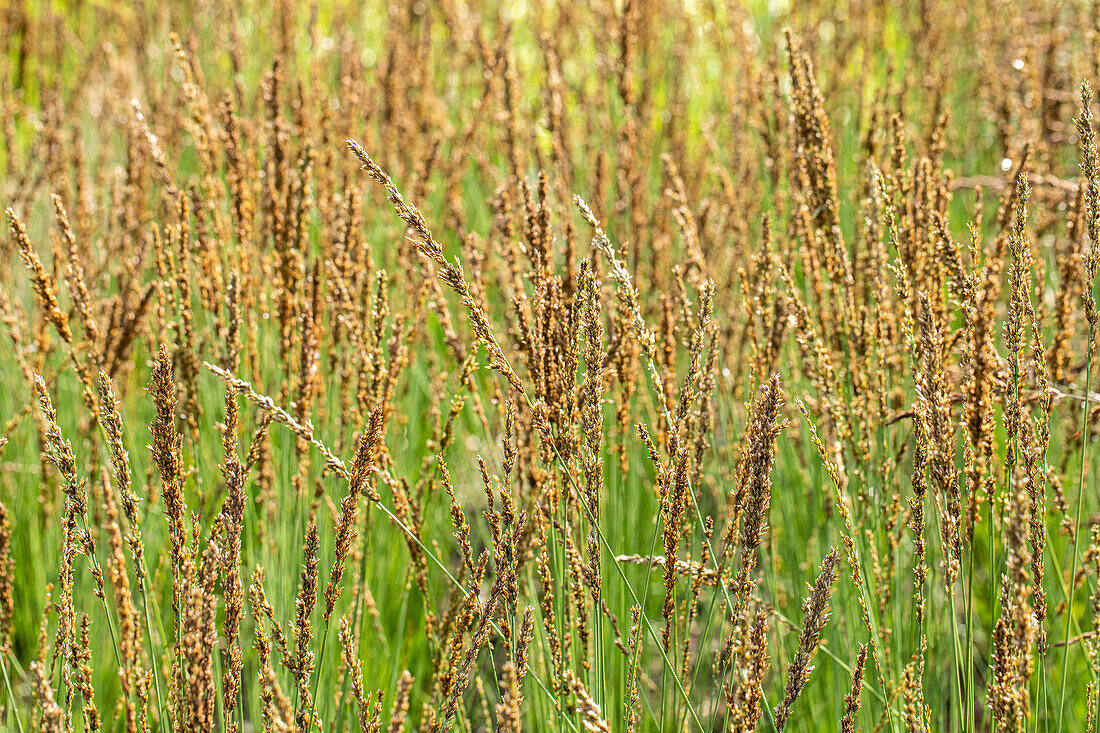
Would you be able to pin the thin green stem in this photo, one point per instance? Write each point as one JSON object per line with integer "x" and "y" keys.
{"x": 11, "y": 697}
{"x": 1076, "y": 528}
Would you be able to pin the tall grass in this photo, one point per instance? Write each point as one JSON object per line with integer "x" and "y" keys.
{"x": 435, "y": 367}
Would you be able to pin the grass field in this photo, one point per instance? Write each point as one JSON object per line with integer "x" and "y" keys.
{"x": 631, "y": 365}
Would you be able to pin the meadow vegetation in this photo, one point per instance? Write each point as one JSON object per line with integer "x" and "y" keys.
{"x": 633, "y": 365}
